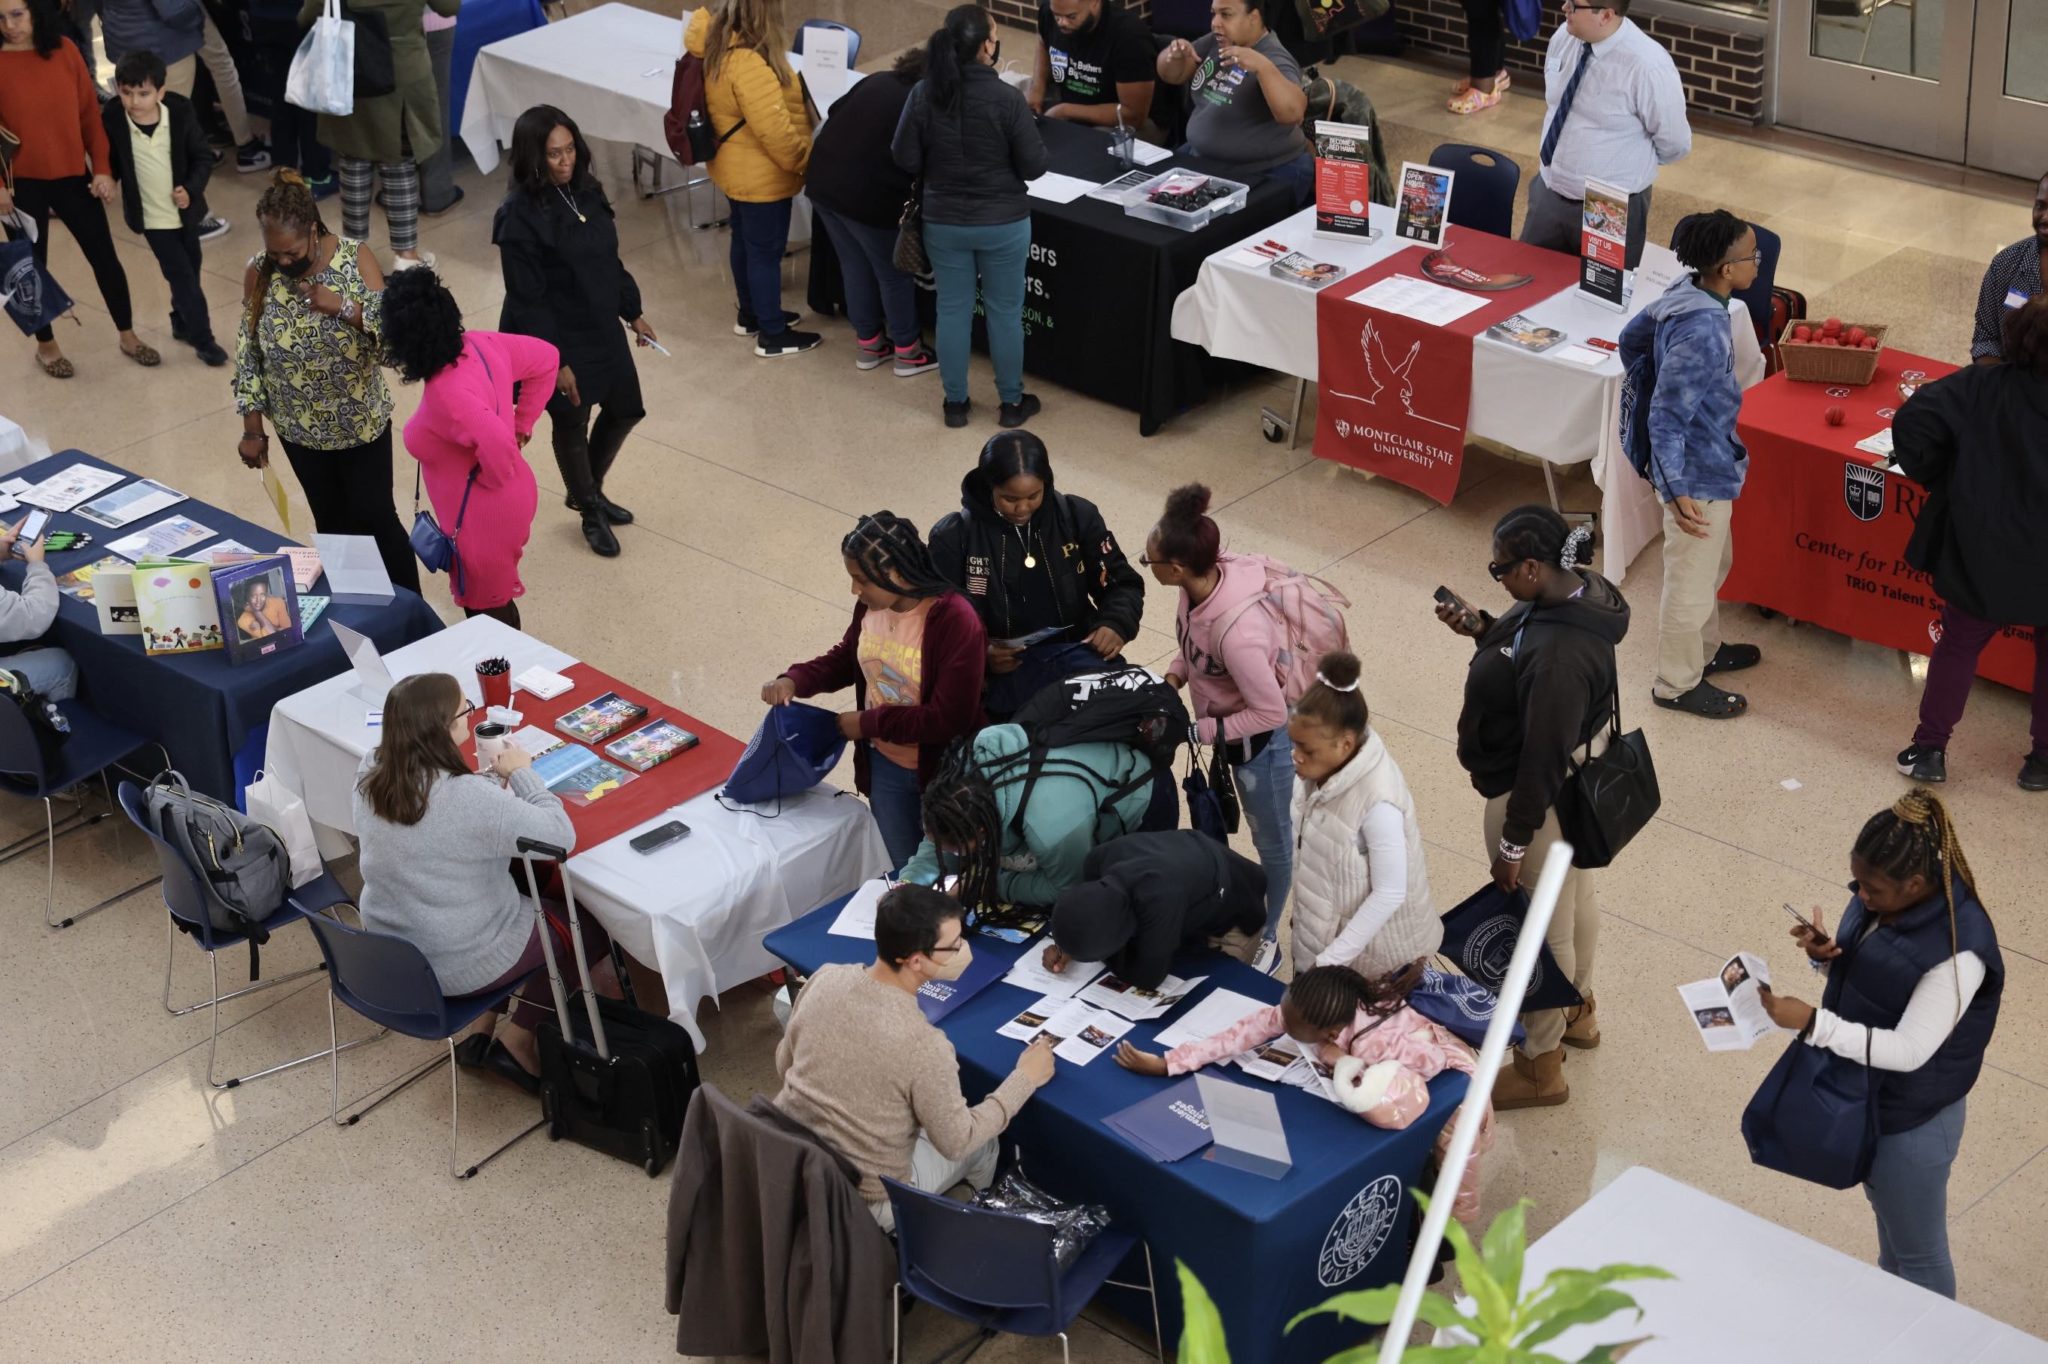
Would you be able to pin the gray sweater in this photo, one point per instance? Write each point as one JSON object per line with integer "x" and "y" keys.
{"x": 442, "y": 884}
{"x": 27, "y": 614}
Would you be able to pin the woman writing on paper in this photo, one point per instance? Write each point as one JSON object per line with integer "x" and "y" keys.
{"x": 1145, "y": 897}
{"x": 1914, "y": 979}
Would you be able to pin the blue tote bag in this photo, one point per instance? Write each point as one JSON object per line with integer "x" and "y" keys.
{"x": 792, "y": 751}
{"x": 1480, "y": 936}
{"x": 1815, "y": 1117}
{"x": 33, "y": 299}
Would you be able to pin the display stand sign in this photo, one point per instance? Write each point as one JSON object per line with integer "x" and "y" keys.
{"x": 1422, "y": 204}
{"x": 1603, "y": 246}
{"x": 1344, "y": 181}
{"x": 825, "y": 64}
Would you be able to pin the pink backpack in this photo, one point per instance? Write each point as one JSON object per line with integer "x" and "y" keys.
{"x": 1310, "y": 619}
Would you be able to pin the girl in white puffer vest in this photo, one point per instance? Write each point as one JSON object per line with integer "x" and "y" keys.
{"x": 1361, "y": 887}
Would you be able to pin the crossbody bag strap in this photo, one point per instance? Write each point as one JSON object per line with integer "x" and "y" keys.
{"x": 470, "y": 486}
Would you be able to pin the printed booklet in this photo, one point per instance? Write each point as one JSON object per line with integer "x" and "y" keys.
{"x": 651, "y": 745}
{"x": 595, "y": 721}
{"x": 1726, "y": 1008}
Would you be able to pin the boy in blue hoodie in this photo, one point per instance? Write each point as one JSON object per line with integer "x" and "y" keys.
{"x": 1696, "y": 461}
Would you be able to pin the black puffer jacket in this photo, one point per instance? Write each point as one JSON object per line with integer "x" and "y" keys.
{"x": 1145, "y": 897}
{"x": 980, "y": 553}
{"x": 975, "y": 157}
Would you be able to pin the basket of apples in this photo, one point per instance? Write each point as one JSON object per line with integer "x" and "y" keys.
{"x": 1830, "y": 352}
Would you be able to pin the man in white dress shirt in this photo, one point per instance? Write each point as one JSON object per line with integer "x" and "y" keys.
{"x": 1617, "y": 113}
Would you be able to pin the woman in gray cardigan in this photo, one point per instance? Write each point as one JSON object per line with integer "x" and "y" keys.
{"x": 436, "y": 839}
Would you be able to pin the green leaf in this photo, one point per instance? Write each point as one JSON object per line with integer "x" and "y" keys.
{"x": 1437, "y": 1354}
{"x": 1598, "y": 1306}
{"x": 1201, "y": 1326}
{"x": 1496, "y": 1308}
{"x": 1375, "y": 1307}
{"x": 1564, "y": 1289}
{"x": 1612, "y": 1354}
{"x": 1505, "y": 1242}
{"x": 1368, "y": 1353}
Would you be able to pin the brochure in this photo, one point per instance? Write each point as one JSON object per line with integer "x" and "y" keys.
{"x": 1343, "y": 180}
{"x": 1079, "y": 1033}
{"x": 1520, "y": 331}
{"x": 579, "y": 776}
{"x": 78, "y": 584}
{"x": 144, "y": 497}
{"x": 170, "y": 536}
{"x": 1422, "y": 203}
{"x": 1030, "y": 974}
{"x": 1603, "y": 246}
{"x": 1168, "y": 1125}
{"x": 1727, "y": 1008}
{"x": 1121, "y": 997}
{"x": 1009, "y": 923}
{"x": 595, "y": 721}
{"x": 62, "y": 491}
{"x": 1218, "y": 1010}
{"x": 651, "y": 745}
{"x": 1309, "y": 273}
{"x": 1271, "y": 1060}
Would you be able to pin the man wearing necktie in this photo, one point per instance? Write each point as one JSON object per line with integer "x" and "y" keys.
{"x": 1616, "y": 113}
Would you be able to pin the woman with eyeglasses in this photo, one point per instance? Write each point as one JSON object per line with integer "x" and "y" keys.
{"x": 308, "y": 355}
{"x": 1538, "y": 694}
{"x": 436, "y": 838}
{"x": 1697, "y": 462}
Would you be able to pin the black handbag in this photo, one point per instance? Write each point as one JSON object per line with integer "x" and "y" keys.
{"x": 909, "y": 256}
{"x": 376, "y": 68}
{"x": 1480, "y": 936}
{"x": 1224, "y": 783}
{"x": 1607, "y": 798}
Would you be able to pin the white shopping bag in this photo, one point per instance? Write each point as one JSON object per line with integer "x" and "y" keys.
{"x": 323, "y": 72}
{"x": 269, "y": 803}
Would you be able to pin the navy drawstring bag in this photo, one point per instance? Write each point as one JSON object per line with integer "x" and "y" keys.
{"x": 1480, "y": 936}
{"x": 33, "y": 299}
{"x": 1460, "y": 1004}
{"x": 792, "y": 751}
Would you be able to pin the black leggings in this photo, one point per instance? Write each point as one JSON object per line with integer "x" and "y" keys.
{"x": 1485, "y": 37}
{"x": 71, "y": 202}
{"x": 584, "y": 450}
{"x": 349, "y": 491}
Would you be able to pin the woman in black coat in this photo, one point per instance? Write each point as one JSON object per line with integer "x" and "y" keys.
{"x": 1033, "y": 559}
{"x": 565, "y": 284}
{"x": 1978, "y": 441}
{"x": 1145, "y": 897}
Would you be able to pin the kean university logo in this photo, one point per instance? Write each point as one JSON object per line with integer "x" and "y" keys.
{"x": 1359, "y": 1232}
{"x": 1863, "y": 490}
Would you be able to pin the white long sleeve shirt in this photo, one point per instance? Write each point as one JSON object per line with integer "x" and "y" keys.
{"x": 1931, "y": 1015}
{"x": 1385, "y": 841}
{"x": 1627, "y": 118}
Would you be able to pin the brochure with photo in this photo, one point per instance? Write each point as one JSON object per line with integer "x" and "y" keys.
{"x": 78, "y": 583}
{"x": 1529, "y": 336}
{"x": 60, "y": 492}
{"x": 1343, "y": 157}
{"x": 1727, "y": 1009}
{"x": 1309, "y": 273}
{"x": 1120, "y": 996}
{"x": 1422, "y": 204}
{"x": 1079, "y": 1033}
{"x": 595, "y": 721}
{"x": 173, "y": 535}
{"x": 579, "y": 776}
{"x": 651, "y": 745}
{"x": 144, "y": 497}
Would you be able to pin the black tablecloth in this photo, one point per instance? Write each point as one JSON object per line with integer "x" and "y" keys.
{"x": 1100, "y": 286}
{"x": 199, "y": 706}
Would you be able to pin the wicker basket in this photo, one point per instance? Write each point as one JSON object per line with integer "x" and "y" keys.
{"x": 1812, "y": 363}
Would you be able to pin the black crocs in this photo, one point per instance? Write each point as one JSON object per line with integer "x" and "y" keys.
{"x": 1733, "y": 658}
{"x": 1706, "y": 701}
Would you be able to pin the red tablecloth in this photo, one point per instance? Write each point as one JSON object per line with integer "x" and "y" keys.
{"x": 1394, "y": 394}
{"x": 681, "y": 778}
{"x": 1821, "y": 528}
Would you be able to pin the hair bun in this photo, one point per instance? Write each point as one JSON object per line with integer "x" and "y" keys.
{"x": 1339, "y": 669}
{"x": 287, "y": 175}
{"x": 1187, "y": 504}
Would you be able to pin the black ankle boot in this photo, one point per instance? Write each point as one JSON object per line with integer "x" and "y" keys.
{"x": 613, "y": 512}
{"x": 597, "y": 533}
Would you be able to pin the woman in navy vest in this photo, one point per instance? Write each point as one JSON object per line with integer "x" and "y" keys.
{"x": 1914, "y": 978}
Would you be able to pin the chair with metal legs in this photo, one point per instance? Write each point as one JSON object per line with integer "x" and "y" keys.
{"x": 189, "y": 900}
{"x": 93, "y": 746}
{"x": 390, "y": 982}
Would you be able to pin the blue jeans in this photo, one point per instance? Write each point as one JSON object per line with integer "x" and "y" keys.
{"x": 760, "y": 236}
{"x": 895, "y": 800}
{"x": 1298, "y": 175}
{"x": 1908, "y": 1190}
{"x": 877, "y": 293}
{"x": 50, "y": 671}
{"x": 995, "y": 256}
{"x": 1265, "y": 791}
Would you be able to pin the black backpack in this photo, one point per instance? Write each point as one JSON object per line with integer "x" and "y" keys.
{"x": 1121, "y": 705}
{"x": 45, "y": 721}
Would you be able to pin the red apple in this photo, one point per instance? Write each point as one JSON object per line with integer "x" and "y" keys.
{"x": 1802, "y": 332}
{"x": 1829, "y": 341}
{"x": 1834, "y": 415}
{"x": 1831, "y": 327}
{"x": 1856, "y": 335}
{"x": 1870, "y": 343}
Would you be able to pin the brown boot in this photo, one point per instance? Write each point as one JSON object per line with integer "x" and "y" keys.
{"x": 1582, "y": 1025}
{"x": 1532, "y": 1082}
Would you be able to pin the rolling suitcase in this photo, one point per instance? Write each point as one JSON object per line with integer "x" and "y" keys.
{"x": 612, "y": 1077}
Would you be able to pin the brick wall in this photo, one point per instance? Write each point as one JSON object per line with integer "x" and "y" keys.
{"x": 1723, "y": 70}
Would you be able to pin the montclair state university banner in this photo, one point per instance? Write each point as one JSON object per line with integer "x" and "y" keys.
{"x": 1821, "y": 527}
{"x": 1395, "y": 389}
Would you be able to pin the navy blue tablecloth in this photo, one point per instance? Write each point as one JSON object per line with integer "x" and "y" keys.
{"x": 484, "y": 22}
{"x": 199, "y": 706}
{"x": 1265, "y": 1249}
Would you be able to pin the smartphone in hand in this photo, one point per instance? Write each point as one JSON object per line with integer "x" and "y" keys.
{"x": 30, "y": 530}
{"x": 1444, "y": 596}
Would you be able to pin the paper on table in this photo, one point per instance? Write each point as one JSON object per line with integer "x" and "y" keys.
{"x": 1271, "y": 1060}
{"x": 1121, "y": 997}
{"x": 1419, "y": 299}
{"x": 1219, "y": 1009}
{"x": 1879, "y": 444}
{"x": 1727, "y": 1008}
{"x": 1054, "y": 188}
{"x": 273, "y": 488}
{"x": 824, "y": 64}
{"x": 857, "y": 919}
{"x": 161, "y": 540}
{"x": 1145, "y": 154}
{"x": 60, "y": 492}
{"x": 537, "y": 741}
{"x": 1030, "y": 974}
{"x": 1246, "y": 1125}
{"x": 1580, "y": 355}
{"x": 542, "y": 682}
{"x": 1080, "y": 1034}
{"x": 145, "y": 497}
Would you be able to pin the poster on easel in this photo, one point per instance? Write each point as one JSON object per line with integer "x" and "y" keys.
{"x": 1344, "y": 181}
{"x": 1422, "y": 204}
{"x": 1603, "y": 246}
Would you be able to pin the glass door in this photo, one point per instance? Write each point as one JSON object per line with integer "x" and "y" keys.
{"x": 2009, "y": 90}
{"x": 1894, "y": 73}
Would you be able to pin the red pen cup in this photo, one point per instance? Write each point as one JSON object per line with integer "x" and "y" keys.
{"x": 496, "y": 684}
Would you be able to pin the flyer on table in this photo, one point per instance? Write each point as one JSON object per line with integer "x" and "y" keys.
{"x": 1343, "y": 180}
{"x": 1603, "y": 245}
{"x": 1422, "y": 204}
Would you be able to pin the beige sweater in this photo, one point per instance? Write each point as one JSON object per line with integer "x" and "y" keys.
{"x": 862, "y": 1068}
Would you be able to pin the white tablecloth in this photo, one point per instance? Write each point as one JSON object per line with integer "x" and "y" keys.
{"x": 695, "y": 910}
{"x": 1538, "y": 404}
{"x": 1751, "y": 1290}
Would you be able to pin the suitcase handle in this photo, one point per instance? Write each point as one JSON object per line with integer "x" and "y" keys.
{"x": 527, "y": 848}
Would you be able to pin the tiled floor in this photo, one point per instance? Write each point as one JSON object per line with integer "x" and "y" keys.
{"x": 148, "y": 1219}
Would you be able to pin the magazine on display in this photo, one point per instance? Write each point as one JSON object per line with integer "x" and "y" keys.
{"x": 1727, "y": 1009}
{"x": 1343, "y": 181}
{"x": 1296, "y": 268}
{"x": 1520, "y": 332}
{"x": 258, "y": 608}
{"x": 651, "y": 745}
{"x": 595, "y": 721}
{"x": 1422, "y": 204}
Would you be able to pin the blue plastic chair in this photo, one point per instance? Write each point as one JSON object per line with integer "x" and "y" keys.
{"x": 93, "y": 746}
{"x": 1757, "y": 297}
{"x": 1483, "y": 198}
{"x": 188, "y": 897}
{"x": 390, "y": 982}
{"x": 852, "y": 38}
{"x": 996, "y": 1269}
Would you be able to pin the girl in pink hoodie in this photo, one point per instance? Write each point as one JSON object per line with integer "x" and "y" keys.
{"x": 1381, "y": 1054}
{"x": 1233, "y": 679}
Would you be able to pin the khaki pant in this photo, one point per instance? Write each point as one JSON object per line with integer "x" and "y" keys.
{"x": 1689, "y": 612}
{"x": 1574, "y": 927}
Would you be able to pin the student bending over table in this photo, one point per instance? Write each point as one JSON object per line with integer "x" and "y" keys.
{"x": 862, "y": 1068}
{"x": 1244, "y": 96}
{"x": 1145, "y": 897}
{"x": 1381, "y": 1054}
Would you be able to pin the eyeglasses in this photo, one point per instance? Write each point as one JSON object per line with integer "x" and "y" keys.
{"x": 1499, "y": 571}
{"x": 1572, "y": 6}
{"x": 1755, "y": 257}
{"x": 462, "y": 714}
{"x": 1147, "y": 562}
{"x": 949, "y": 949}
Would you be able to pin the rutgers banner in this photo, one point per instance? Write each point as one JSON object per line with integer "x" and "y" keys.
{"x": 1395, "y": 390}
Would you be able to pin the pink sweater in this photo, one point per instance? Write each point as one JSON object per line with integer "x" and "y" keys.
{"x": 1233, "y": 681}
{"x": 1419, "y": 1049}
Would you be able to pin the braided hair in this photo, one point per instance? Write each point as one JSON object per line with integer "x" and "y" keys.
{"x": 960, "y": 813}
{"x": 1331, "y": 996}
{"x": 892, "y": 556}
{"x": 288, "y": 202}
{"x": 1537, "y": 532}
{"x": 1916, "y": 836}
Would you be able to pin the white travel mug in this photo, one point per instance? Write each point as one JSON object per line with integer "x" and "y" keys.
{"x": 491, "y": 739}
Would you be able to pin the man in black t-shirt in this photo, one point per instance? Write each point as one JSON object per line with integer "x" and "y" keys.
{"x": 1092, "y": 60}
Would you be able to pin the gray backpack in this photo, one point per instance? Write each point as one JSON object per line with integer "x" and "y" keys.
{"x": 246, "y": 868}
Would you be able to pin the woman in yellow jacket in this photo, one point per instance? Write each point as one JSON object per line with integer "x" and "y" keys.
{"x": 764, "y": 131}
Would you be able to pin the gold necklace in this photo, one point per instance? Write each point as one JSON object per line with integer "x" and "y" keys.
{"x": 1030, "y": 559}
{"x": 572, "y": 204}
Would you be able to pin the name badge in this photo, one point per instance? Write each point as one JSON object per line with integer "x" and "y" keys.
{"x": 2015, "y": 299}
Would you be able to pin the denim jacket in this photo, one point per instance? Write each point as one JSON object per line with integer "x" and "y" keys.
{"x": 1694, "y": 449}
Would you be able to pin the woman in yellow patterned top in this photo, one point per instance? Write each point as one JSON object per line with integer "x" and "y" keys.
{"x": 307, "y": 355}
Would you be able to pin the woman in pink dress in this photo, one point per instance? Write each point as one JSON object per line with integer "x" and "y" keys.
{"x": 468, "y": 433}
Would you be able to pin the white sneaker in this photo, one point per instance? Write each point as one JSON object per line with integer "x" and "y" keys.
{"x": 1267, "y": 959}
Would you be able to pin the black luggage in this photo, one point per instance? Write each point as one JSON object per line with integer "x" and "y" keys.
{"x": 612, "y": 1076}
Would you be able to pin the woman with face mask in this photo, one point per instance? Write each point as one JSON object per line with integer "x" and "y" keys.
{"x": 308, "y": 356}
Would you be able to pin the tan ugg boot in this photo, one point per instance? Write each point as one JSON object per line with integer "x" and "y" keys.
{"x": 1531, "y": 1082}
{"x": 1582, "y": 1025}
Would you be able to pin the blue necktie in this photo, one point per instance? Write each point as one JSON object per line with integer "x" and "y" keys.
{"x": 1564, "y": 106}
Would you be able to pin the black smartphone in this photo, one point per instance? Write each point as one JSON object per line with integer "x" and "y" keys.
{"x": 660, "y": 836}
{"x": 1458, "y": 604}
{"x": 32, "y": 527}
{"x": 1820, "y": 939}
